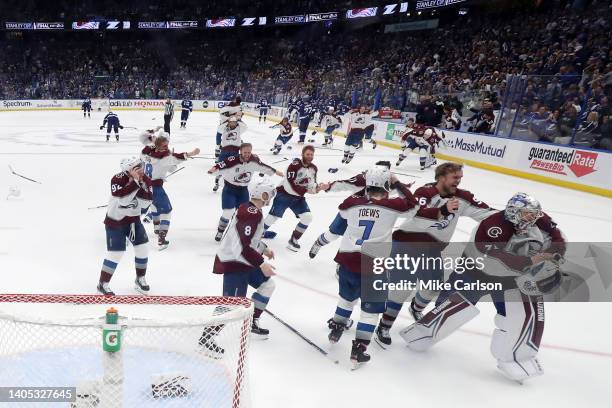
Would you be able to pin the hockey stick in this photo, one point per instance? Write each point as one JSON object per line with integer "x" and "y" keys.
{"x": 23, "y": 177}
{"x": 130, "y": 127}
{"x": 404, "y": 174}
{"x": 300, "y": 335}
{"x": 175, "y": 171}
{"x": 278, "y": 161}
{"x": 202, "y": 157}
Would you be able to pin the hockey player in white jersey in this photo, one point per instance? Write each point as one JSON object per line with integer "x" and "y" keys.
{"x": 231, "y": 110}
{"x": 237, "y": 172}
{"x": 330, "y": 122}
{"x": 520, "y": 249}
{"x": 158, "y": 162}
{"x": 285, "y": 134}
{"x": 427, "y": 234}
{"x": 300, "y": 179}
{"x": 240, "y": 259}
{"x": 362, "y": 219}
{"x": 359, "y": 120}
{"x": 131, "y": 192}
{"x": 230, "y": 138}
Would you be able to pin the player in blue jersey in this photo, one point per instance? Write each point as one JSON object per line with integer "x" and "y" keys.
{"x": 263, "y": 107}
{"x": 86, "y": 107}
{"x": 186, "y": 109}
{"x": 111, "y": 121}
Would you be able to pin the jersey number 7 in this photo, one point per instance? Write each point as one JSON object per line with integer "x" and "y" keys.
{"x": 368, "y": 224}
{"x": 148, "y": 170}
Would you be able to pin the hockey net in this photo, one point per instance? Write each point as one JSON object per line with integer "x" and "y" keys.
{"x": 174, "y": 351}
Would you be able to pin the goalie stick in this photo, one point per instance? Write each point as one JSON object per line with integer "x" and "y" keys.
{"x": 300, "y": 335}
{"x": 23, "y": 177}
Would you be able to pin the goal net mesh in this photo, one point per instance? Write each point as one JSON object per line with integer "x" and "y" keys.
{"x": 170, "y": 351}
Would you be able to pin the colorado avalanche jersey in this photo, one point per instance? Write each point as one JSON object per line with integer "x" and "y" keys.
{"x": 369, "y": 220}
{"x": 507, "y": 252}
{"x": 239, "y": 173}
{"x": 242, "y": 247}
{"x": 158, "y": 164}
{"x": 354, "y": 184}
{"x": 329, "y": 120}
{"x": 227, "y": 112}
{"x": 360, "y": 120}
{"x": 453, "y": 121}
{"x": 232, "y": 137}
{"x": 427, "y": 226}
{"x": 299, "y": 178}
{"x": 285, "y": 130}
{"x": 127, "y": 199}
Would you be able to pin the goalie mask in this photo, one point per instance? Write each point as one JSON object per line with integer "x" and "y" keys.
{"x": 523, "y": 211}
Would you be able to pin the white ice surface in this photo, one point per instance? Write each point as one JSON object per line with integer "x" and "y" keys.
{"x": 51, "y": 243}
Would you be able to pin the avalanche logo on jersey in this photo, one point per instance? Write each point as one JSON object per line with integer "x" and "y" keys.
{"x": 253, "y": 210}
{"x": 132, "y": 204}
{"x": 232, "y": 135}
{"x": 494, "y": 232}
{"x": 444, "y": 223}
{"x": 360, "y": 120}
{"x": 243, "y": 177}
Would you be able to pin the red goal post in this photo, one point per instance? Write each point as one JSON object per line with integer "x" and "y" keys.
{"x": 161, "y": 336}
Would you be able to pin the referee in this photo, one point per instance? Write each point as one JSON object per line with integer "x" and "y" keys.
{"x": 168, "y": 115}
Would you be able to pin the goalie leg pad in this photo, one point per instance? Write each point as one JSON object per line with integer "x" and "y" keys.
{"x": 516, "y": 339}
{"x": 440, "y": 323}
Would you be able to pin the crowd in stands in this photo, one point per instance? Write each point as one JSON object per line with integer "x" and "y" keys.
{"x": 560, "y": 61}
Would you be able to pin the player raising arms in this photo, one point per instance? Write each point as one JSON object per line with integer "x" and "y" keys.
{"x": 520, "y": 248}
{"x": 300, "y": 178}
{"x": 159, "y": 160}
{"x": 230, "y": 140}
{"x": 131, "y": 192}
{"x": 286, "y": 132}
{"x": 441, "y": 203}
{"x": 237, "y": 172}
{"x": 367, "y": 218}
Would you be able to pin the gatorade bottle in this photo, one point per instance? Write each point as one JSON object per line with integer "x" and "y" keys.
{"x": 111, "y": 332}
